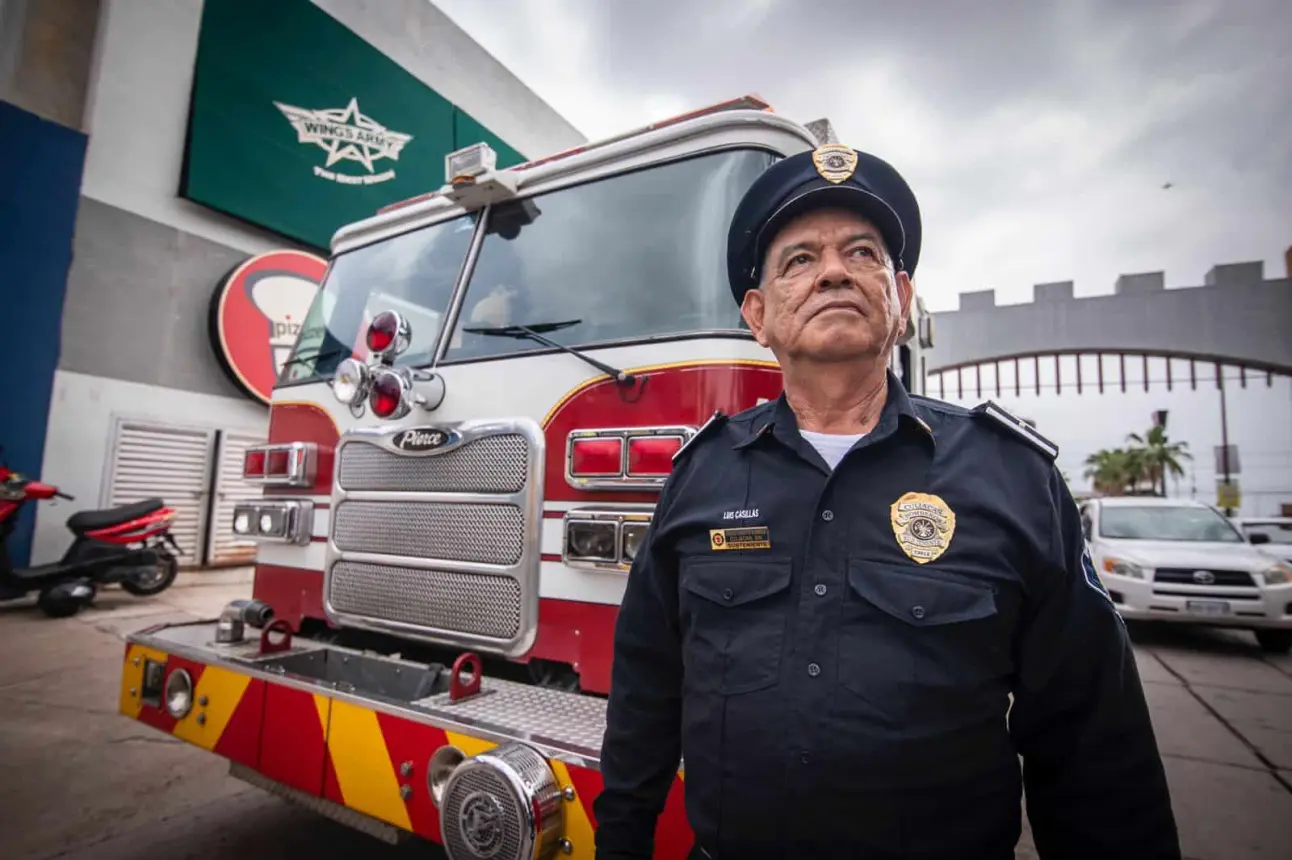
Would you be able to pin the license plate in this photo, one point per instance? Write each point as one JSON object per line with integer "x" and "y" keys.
{"x": 1208, "y": 607}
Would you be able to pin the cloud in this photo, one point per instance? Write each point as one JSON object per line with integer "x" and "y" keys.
{"x": 1038, "y": 137}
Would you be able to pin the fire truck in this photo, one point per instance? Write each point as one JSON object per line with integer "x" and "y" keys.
{"x": 463, "y": 454}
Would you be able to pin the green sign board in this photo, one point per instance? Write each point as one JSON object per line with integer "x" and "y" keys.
{"x": 300, "y": 126}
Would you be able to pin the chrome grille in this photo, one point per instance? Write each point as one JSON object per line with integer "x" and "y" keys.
{"x": 439, "y": 545}
{"x": 1185, "y": 576}
{"x": 471, "y": 603}
{"x": 493, "y": 534}
{"x": 494, "y": 464}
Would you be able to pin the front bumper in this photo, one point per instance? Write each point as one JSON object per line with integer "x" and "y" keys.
{"x": 1268, "y": 606}
{"x": 361, "y": 738}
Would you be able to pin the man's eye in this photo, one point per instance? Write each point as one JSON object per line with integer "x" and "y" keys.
{"x": 799, "y": 260}
{"x": 864, "y": 250}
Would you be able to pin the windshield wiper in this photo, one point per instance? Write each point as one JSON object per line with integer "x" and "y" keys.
{"x": 313, "y": 356}
{"x": 535, "y": 332}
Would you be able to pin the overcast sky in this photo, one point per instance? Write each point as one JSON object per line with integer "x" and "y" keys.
{"x": 1037, "y": 135}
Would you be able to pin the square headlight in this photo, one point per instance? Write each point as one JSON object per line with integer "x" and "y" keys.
{"x": 634, "y": 537}
{"x": 592, "y": 541}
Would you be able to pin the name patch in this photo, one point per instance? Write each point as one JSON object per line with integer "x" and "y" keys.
{"x": 751, "y": 514}
{"x": 753, "y": 537}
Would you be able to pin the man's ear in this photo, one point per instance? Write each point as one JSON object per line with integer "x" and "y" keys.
{"x": 905, "y": 295}
{"x": 752, "y": 307}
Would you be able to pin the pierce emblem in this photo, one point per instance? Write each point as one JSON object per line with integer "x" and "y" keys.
{"x": 923, "y": 525}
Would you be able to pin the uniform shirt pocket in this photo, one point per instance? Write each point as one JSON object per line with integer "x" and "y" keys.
{"x": 919, "y": 640}
{"x": 734, "y": 622}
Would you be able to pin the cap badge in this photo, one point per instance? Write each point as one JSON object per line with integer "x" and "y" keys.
{"x": 835, "y": 162}
{"x": 924, "y": 526}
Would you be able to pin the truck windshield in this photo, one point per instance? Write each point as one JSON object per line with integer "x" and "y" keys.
{"x": 1166, "y": 522}
{"x": 414, "y": 274}
{"x": 634, "y": 257}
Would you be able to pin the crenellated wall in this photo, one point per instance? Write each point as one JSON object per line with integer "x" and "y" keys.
{"x": 1236, "y": 315}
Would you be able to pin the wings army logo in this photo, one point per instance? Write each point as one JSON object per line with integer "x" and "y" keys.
{"x": 835, "y": 162}
{"x": 924, "y": 526}
{"x": 346, "y": 135}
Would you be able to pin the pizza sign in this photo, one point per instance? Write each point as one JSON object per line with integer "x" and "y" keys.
{"x": 256, "y": 315}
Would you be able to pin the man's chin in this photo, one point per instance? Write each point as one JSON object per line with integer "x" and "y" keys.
{"x": 836, "y": 350}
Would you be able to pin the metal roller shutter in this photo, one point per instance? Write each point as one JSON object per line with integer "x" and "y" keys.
{"x": 223, "y": 547}
{"x": 172, "y": 463}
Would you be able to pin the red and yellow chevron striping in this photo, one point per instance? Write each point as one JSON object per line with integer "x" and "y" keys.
{"x": 364, "y": 759}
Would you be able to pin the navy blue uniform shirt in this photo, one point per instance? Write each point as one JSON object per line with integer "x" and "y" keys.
{"x": 833, "y": 654}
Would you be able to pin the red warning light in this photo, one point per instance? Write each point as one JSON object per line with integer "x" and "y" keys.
{"x": 386, "y": 394}
{"x": 383, "y": 331}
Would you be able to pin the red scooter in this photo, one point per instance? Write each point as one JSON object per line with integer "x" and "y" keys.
{"x": 131, "y": 545}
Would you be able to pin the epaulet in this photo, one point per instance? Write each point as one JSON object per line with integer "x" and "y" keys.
{"x": 1002, "y": 417}
{"x": 714, "y": 423}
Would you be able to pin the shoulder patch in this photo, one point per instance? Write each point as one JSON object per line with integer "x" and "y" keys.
{"x": 707, "y": 428}
{"x": 1091, "y": 576}
{"x": 1002, "y": 417}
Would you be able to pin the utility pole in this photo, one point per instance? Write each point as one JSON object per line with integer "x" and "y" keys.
{"x": 1224, "y": 438}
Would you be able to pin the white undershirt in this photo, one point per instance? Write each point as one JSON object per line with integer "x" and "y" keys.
{"x": 831, "y": 446}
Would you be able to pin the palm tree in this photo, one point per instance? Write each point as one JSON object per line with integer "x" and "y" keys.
{"x": 1113, "y": 471}
{"x": 1158, "y": 457}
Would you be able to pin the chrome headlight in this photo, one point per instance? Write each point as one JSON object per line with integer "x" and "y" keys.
{"x": 1121, "y": 567}
{"x": 350, "y": 384}
{"x": 1277, "y": 573}
{"x": 178, "y": 694}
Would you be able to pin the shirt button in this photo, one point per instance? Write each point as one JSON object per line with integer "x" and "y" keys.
{"x": 827, "y": 515}
{"x": 727, "y": 594}
{"x": 814, "y": 669}
{"x": 820, "y": 591}
{"x": 805, "y": 758}
{"x": 917, "y": 611}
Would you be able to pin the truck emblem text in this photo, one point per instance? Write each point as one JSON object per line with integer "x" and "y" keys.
{"x": 420, "y": 440}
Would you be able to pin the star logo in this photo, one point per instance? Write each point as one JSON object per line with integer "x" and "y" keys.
{"x": 346, "y": 134}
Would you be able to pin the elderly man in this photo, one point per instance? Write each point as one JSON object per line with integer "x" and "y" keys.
{"x": 857, "y": 609}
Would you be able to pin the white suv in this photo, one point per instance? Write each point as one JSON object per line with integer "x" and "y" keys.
{"x": 1181, "y": 560}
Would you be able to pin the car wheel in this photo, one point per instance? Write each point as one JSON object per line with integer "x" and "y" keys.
{"x": 1274, "y": 641}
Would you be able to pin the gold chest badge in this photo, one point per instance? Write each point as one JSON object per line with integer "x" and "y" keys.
{"x": 924, "y": 526}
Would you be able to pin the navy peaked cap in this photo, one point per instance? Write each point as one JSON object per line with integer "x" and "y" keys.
{"x": 832, "y": 176}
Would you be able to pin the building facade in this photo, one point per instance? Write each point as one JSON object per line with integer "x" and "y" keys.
{"x": 174, "y": 175}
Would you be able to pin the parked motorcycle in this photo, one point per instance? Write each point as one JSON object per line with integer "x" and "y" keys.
{"x": 131, "y": 545}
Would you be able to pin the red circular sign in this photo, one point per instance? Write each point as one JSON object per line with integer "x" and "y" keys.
{"x": 256, "y": 315}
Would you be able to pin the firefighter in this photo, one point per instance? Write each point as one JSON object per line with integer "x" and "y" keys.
{"x": 856, "y": 608}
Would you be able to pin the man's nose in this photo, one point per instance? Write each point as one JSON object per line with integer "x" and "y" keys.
{"x": 832, "y": 273}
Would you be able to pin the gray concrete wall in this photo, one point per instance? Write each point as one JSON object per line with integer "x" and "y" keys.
{"x": 1237, "y": 315}
{"x": 138, "y": 299}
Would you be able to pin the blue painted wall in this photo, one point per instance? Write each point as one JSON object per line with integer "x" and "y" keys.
{"x": 40, "y": 183}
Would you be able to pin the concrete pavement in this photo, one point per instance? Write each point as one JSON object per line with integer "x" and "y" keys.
{"x": 79, "y": 782}
{"x": 1222, "y": 711}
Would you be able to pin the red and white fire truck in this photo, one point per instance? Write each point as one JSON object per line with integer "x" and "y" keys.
{"x": 464, "y": 451}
